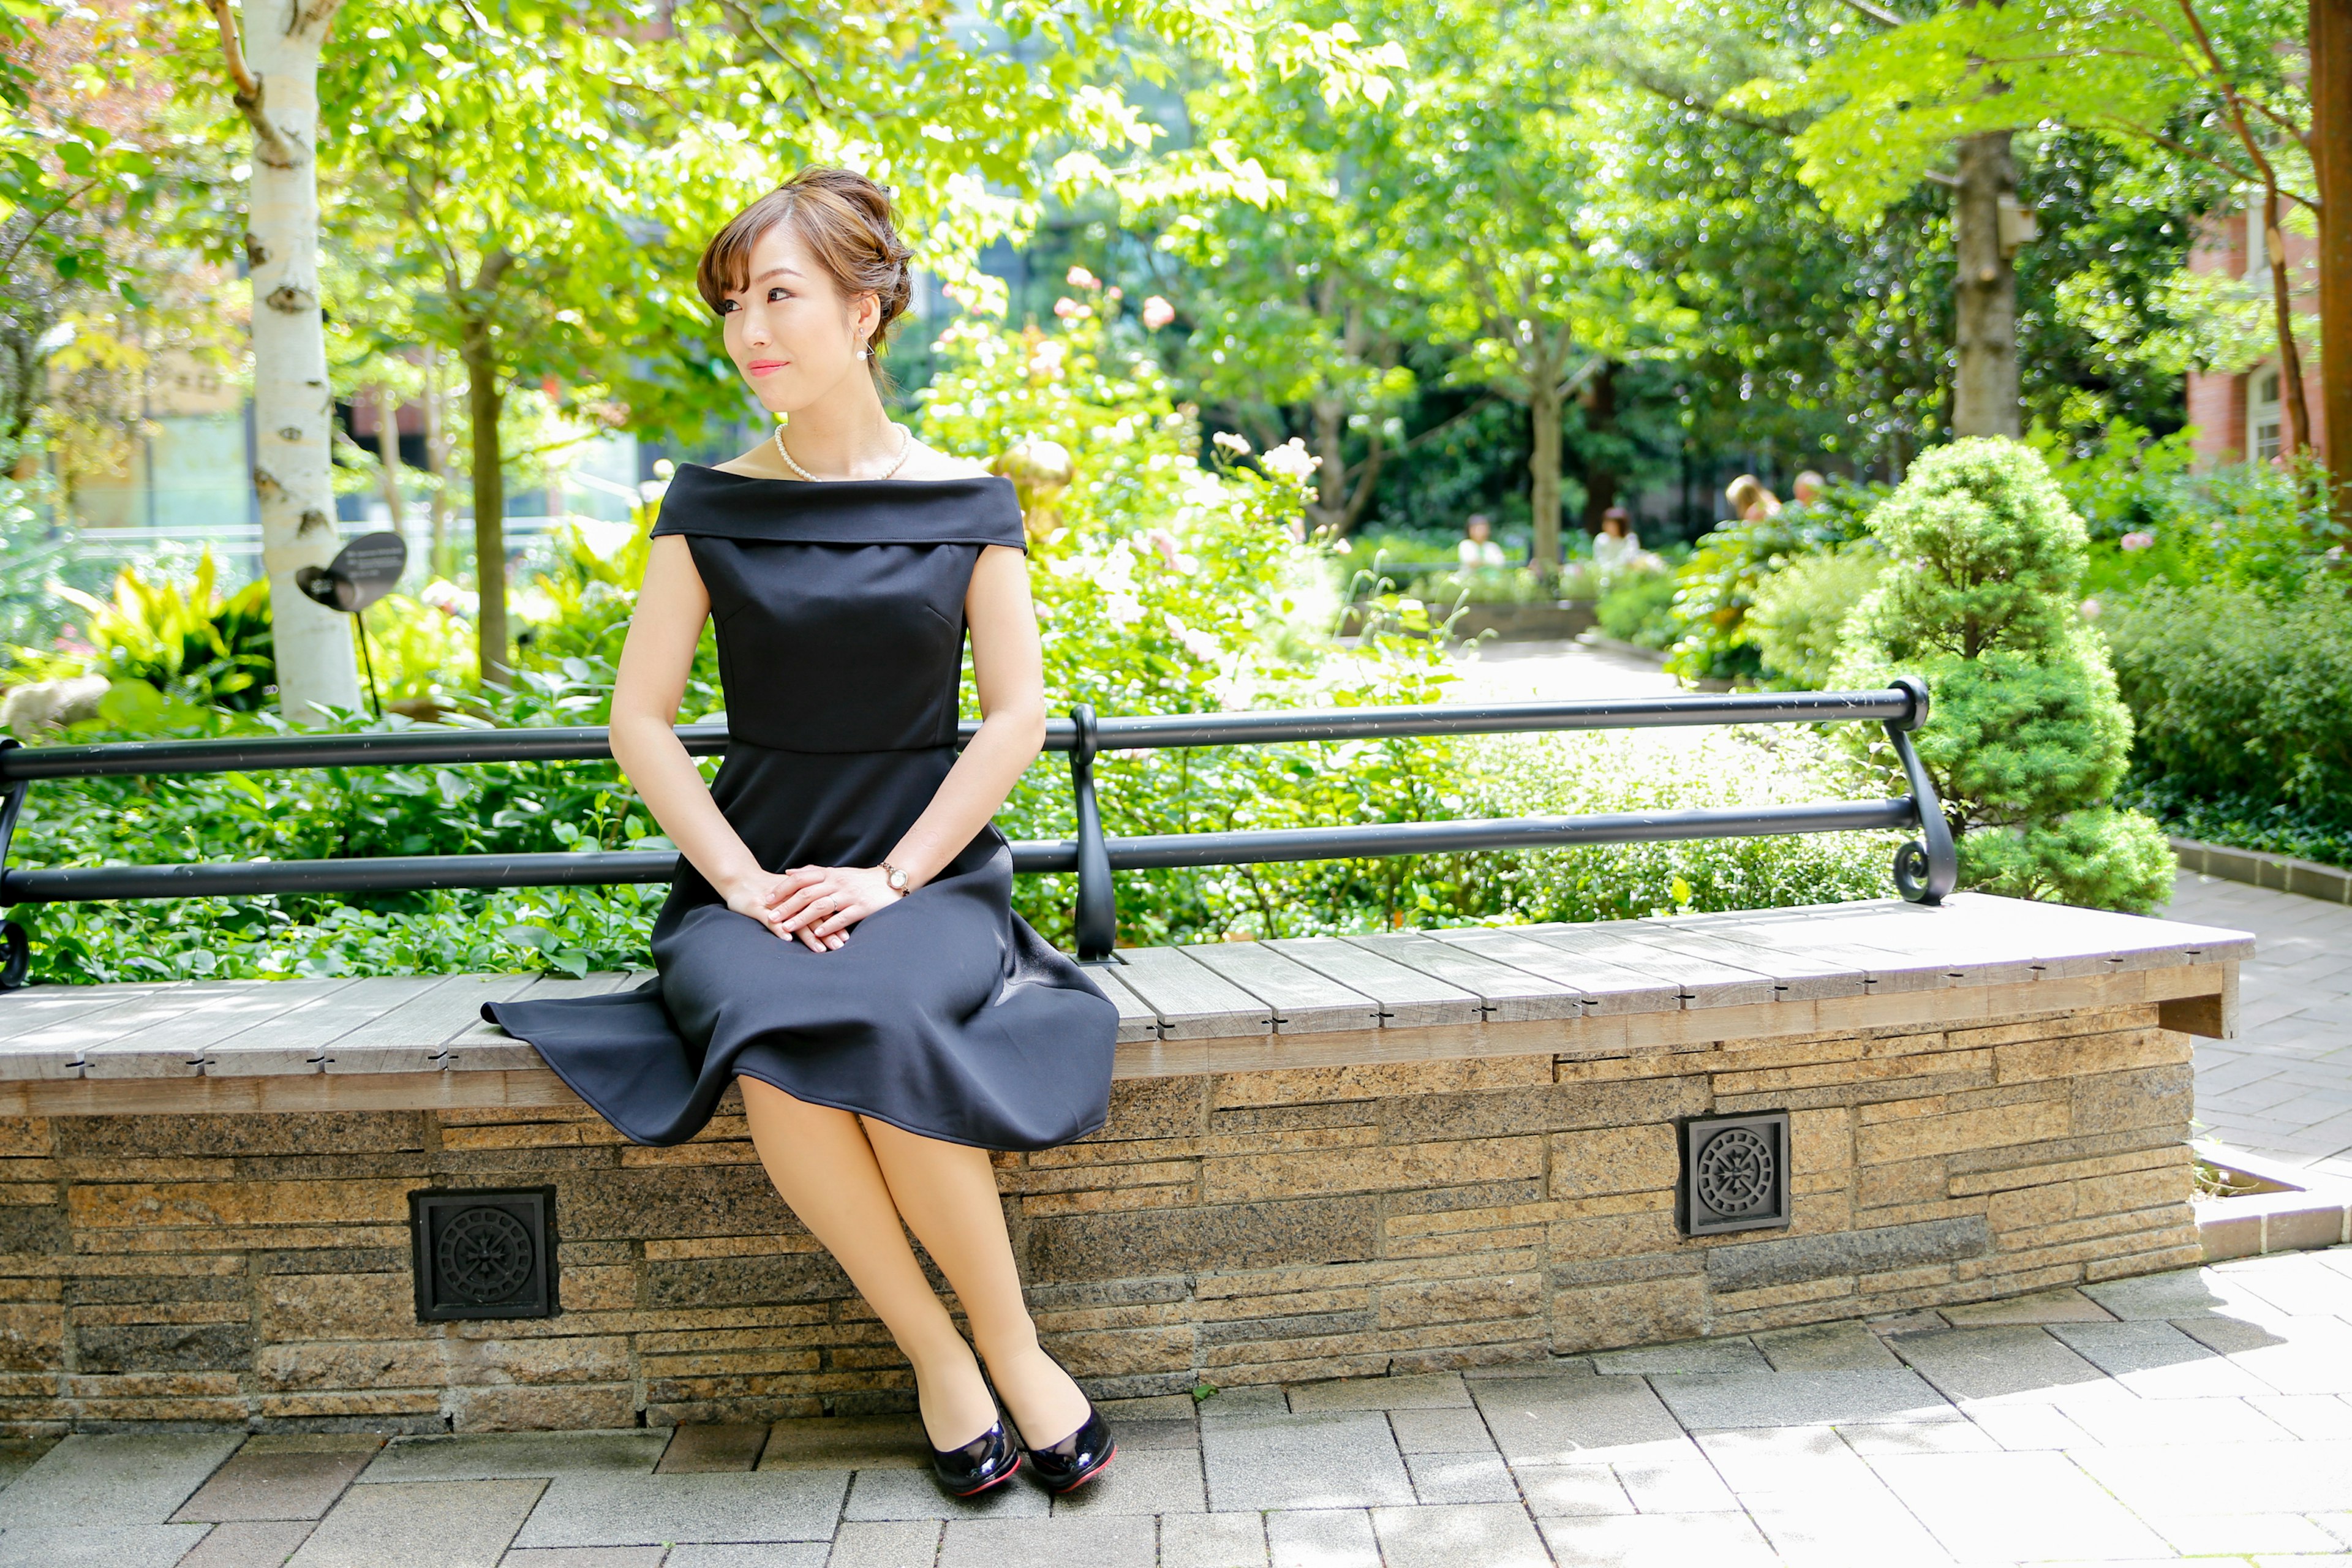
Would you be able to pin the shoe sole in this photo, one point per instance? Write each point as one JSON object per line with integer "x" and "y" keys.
{"x": 1090, "y": 1475}
{"x": 1011, "y": 1470}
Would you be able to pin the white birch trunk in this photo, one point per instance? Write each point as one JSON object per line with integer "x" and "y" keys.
{"x": 293, "y": 404}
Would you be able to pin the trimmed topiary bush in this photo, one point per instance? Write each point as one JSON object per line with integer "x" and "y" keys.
{"x": 2028, "y": 740}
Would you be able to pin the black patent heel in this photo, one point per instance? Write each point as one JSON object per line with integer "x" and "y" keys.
{"x": 988, "y": 1461}
{"x": 1067, "y": 1466}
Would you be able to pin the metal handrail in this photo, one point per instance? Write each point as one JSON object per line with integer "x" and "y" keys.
{"x": 1924, "y": 871}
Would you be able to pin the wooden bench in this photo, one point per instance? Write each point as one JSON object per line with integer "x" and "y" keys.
{"x": 1326, "y": 1156}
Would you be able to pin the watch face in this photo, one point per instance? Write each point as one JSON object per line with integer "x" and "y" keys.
{"x": 899, "y": 879}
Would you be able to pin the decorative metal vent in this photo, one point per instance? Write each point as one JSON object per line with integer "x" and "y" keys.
{"x": 484, "y": 1254}
{"x": 1735, "y": 1173}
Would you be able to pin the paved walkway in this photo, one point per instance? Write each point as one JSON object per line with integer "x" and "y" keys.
{"x": 2200, "y": 1414}
{"x": 2283, "y": 1087}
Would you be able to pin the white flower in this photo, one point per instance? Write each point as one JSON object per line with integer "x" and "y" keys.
{"x": 1201, "y": 645}
{"x": 1157, "y": 312}
{"x": 1292, "y": 460}
{"x": 1236, "y": 444}
{"x": 1079, "y": 277}
{"x": 1122, "y": 610}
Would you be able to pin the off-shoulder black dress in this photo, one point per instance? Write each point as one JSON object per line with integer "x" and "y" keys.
{"x": 840, "y": 626}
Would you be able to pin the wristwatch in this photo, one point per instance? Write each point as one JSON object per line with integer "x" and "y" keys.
{"x": 896, "y": 877}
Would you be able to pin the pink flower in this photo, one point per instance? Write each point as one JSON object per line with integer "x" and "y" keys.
{"x": 1079, "y": 277}
{"x": 2090, "y": 610}
{"x": 1157, "y": 312}
{"x": 2141, "y": 540}
{"x": 1066, "y": 308}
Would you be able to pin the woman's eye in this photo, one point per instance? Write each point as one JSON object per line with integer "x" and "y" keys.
{"x": 728, "y": 307}
{"x": 779, "y": 294}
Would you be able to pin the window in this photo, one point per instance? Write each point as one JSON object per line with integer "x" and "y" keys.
{"x": 2263, "y": 421}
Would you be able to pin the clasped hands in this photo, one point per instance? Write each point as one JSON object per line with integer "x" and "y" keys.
{"x": 815, "y": 904}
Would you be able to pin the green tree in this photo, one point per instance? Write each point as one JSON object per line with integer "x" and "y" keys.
{"x": 548, "y": 168}
{"x": 2028, "y": 740}
{"x": 1502, "y": 201}
{"x": 2222, "y": 82}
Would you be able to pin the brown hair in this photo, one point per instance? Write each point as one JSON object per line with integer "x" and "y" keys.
{"x": 845, "y": 221}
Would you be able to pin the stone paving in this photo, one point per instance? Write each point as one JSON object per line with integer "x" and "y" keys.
{"x": 2202, "y": 1414}
{"x": 2283, "y": 1087}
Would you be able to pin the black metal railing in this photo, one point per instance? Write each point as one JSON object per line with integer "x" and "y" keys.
{"x": 1925, "y": 868}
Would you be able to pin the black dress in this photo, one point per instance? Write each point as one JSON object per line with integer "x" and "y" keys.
{"x": 840, "y": 627}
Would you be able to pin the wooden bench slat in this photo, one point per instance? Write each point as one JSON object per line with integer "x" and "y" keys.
{"x": 39, "y": 1007}
{"x": 177, "y": 1046}
{"x": 410, "y": 1037}
{"x": 57, "y": 1049}
{"x": 1508, "y": 995}
{"x": 1882, "y": 970}
{"x": 1701, "y": 980}
{"x": 486, "y": 1048}
{"x": 1796, "y": 976}
{"x": 1607, "y": 987}
{"x": 1407, "y": 998}
{"x": 296, "y": 1040}
{"x": 1194, "y": 1003}
{"x": 1137, "y": 1021}
{"x": 1304, "y": 1002}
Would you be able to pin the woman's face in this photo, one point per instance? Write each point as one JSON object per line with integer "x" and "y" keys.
{"x": 789, "y": 329}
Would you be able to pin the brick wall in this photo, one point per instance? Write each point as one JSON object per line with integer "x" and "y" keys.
{"x": 1245, "y": 1227}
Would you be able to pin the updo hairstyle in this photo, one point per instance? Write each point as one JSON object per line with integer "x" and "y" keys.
{"x": 845, "y": 221}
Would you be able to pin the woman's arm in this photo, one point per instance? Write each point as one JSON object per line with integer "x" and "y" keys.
{"x": 1009, "y": 670}
{"x": 656, "y": 661}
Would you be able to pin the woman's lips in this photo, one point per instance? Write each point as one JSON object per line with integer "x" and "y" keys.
{"x": 762, "y": 366}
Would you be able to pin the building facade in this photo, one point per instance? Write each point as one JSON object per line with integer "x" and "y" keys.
{"x": 2241, "y": 417}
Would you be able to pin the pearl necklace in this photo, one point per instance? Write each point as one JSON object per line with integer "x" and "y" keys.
{"x": 906, "y": 446}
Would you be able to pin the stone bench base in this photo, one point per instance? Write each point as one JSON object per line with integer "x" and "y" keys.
{"x": 1262, "y": 1207}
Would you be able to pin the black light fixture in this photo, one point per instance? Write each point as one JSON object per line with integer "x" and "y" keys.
{"x": 362, "y": 572}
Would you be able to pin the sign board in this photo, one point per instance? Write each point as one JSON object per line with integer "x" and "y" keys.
{"x": 362, "y": 572}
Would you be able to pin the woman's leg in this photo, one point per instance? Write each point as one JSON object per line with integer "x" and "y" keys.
{"x": 948, "y": 1193}
{"x": 824, "y": 1168}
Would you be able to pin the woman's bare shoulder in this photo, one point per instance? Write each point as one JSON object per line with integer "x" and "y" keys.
{"x": 929, "y": 463}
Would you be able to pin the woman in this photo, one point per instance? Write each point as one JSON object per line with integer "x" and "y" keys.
{"x": 838, "y": 938}
{"x": 1616, "y": 546}
{"x": 1750, "y": 501}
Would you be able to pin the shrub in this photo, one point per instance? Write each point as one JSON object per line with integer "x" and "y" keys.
{"x": 2027, "y": 741}
{"x": 188, "y": 641}
{"x": 1638, "y": 607}
{"x": 2154, "y": 518}
{"x": 2240, "y": 693}
{"x": 1718, "y": 587}
{"x": 1801, "y": 610}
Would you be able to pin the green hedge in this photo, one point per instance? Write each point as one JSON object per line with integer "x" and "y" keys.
{"x": 2242, "y": 696}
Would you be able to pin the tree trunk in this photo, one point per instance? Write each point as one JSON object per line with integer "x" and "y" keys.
{"x": 484, "y": 397}
{"x": 2296, "y": 408}
{"x": 1327, "y": 512}
{"x": 1984, "y": 383}
{"x": 1544, "y": 407}
{"x": 2331, "y": 149}
{"x": 1601, "y": 478}
{"x": 293, "y": 407}
{"x": 436, "y": 459}
{"x": 387, "y": 453}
